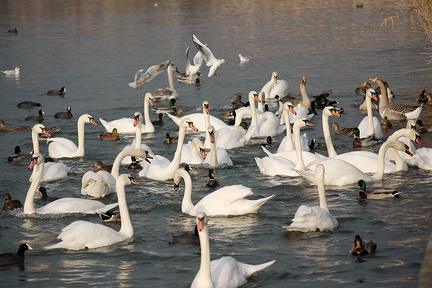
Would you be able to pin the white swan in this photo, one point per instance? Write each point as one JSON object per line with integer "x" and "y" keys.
{"x": 52, "y": 170}
{"x": 101, "y": 183}
{"x": 370, "y": 125}
{"x": 125, "y": 125}
{"x": 202, "y": 120}
{"x": 136, "y": 143}
{"x": 275, "y": 87}
{"x": 80, "y": 235}
{"x": 209, "y": 58}
{"x": 287, "y": 143}
{"x": 232, "y": 137}
{"x": 368, "y": 161}
{"x": 226, "y": 201}
{"x": 340, "y": 173}
{"x": 62, "y": 205}
{"x": 224, "y": 272}
{"x": 267, "y": 124}
{"x": 169, "y": 92}
{"x": 161, "y": 169}
{"x": 217, "y": 156}
{"x": 193, "y": 152}
{"x": 64, "y": 148}
{"x": 273, "y": 164}
{"x": 315, "y": 218}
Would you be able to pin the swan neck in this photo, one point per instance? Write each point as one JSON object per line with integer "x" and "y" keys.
{"x": 299, "y": 153}
{"x": 253, "y": 112}
{"x": 381, "y": 164}
{"x": 370, "y": 130}
{"x": 288, "y": 143}
{"x": 187, "y": 203}
{"x": 327, "y": 136}
{"x": 126, "y": 223}
{"x": 205, "y": 266}
{"x": 147, "y": 121}
{"x": 321, "y": 191}
{"x": 81, "y": 127}
{"x": 175, "y": 163}
{"x": 36, "y": 178}
{"x": 138, "y": 131}
{"x": 35, "y": 141}
{"x": 115, "y": 171}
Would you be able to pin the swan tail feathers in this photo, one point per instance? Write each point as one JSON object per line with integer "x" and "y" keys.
{"x": 249, "y": 269}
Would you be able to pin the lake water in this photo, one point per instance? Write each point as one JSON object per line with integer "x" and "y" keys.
{"x": 95, "y": 48}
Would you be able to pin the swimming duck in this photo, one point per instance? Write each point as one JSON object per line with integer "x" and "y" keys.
{"x": 269, "y": 142}
{"x": 45, "y": 196}
{"x": 212, "y": 182}
{"x": 186, "y": 238}
{"x": 159, "y": 121}
{"x": 64, "y": 115}
{"x": 421, "y": 126}
{"x": 110, "y": 136}
{"x": 15, "y": 30}
{"x": 338, "y": 130}
{"x": 359, "y": 248}
{"x": 17, "y": 258}
{"x": 377, "y": 193}
{"x": 10, "y": 204}
{"x": 425, "y": 97}
{"x": 362, "y": 142}
{"x": 171, "y": 109}
{"x": 16, "y": 157}
{"x": 170, "y": 139}
{"x": 28, "y": 104}
{"x": 314, "y": 144}
{"x": 14, "y": 72}
{"x": 99, "y": 166}
{"x": 385, "y": 125}
{"x": 135, "y": 164}
{"x": 13, "y": 128}
{"x": 39, "y": 118}
{"x": 60, "y": 92}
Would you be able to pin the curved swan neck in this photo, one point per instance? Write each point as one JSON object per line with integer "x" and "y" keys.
{"x": 288, "y": 143}
{"x": 321, "y": 188}
{"x": 327, "y": 135}
{"x": 36, "y": 177}
{"x": 381, "y": 157}
{"x": 175, "y": 163}
{"x": 138, "y": 131}
{"x": 81, "y": 127}
{"x": 137, "y": 152}
{"x": 300, "y": 163}
{"x": 147, "y": 121}
{"x": 187, "y": 204}
{"x": 126, "y": 223}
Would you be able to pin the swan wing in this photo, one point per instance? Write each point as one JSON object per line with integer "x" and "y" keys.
{"x": 75, "y": 205}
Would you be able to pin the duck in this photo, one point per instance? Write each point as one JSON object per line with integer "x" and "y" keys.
{"x": 169, "y": 92}
{"x": 217, "y": 156}
{"x": 186, "y": 238}
{"x": 382, "y": 193}
{"x": 64, "y": 115}
{"x": 315, "y": 144}
{"x": 201, "y": 120}
{"x": 223, "y": 272}
{"x": 110, "y": 216}
{"x": 361, "y": 249}
{"x": 16, "y": 157}
{"x": 61, "y": 92}
{"x": 212, "y": 181}
{"x": 394, "y": 111}
{"x": 315, "y": 218}
{"x": 386, "y": 124}
{"x": 236, "y": 101}
{"x": 339, "y": 131}
{"x": 7, "y": 128}
{"x": 425, "y": 97}
{"x": 83, "y": 235}
{"x": 419, "y": 124}
{"x": 226, "y": 201}
{"x": 148, "y": 75}
{"x": 99, "y": 166}
{"x": 51, "y": 170}
{"x": 192, "y": 73}
{"x": 135, "y": 164}
{"x": 211, "y": 61}
{"x": 162, "y": 169}
{"x": 110, "y": 136}
{"x": 39, "y": 118}
{"x": 45, "y": 196}
{"x": 14, "y": 72}
{"x": 7, "y": 259}
{"x": 28, "y": 104}
{"x": 65, "y": 205}
{"x": 101, "y": 183}
{"x": 125, "y": 125}
{"x": 163, "y": 110}
{"x": 275, "y": 87}
{"x": 159, "y": 121}
{"x": 363, "y": 142}
{"x": 60, "y": 147}
{"x": 268, "y": 143}
{"x": 170, "y": 139}
{"x": 15, "y": 30}
{"x": 10, "y": 204}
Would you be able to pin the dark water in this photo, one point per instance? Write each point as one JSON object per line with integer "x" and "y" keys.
{"x": 94, "y": 49}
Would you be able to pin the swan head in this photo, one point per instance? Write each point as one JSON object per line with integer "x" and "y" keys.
{"x": 331, "y": 111}
{"x": 149, "y": 98}
{"x": 303, "y": 79}
{"x": 187, "y": 123}
{"x": 40, "y": 128}
{"x": 201, "y": 221}
{"x": 206, "y": 107}
{"x": 253, "y": 95}
{"x": 87, "y": 118}
{"x": 37, "y": 158}
{"x": 137, "y": 118}
{"x": 127, "y": 179}
{"x": 211, "y": 132}
{"x": 274, "y": 77}
{"x": 288, "y": 106}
